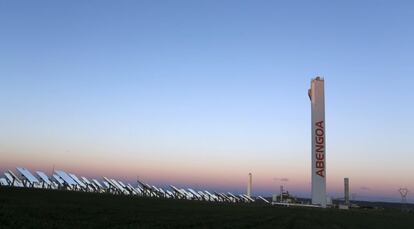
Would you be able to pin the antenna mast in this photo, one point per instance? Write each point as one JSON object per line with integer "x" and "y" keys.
{"x": 403, "y": 192}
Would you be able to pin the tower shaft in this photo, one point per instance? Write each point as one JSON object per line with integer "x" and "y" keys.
{"x": 317, "y": 97}
{"x": 249, "y": 186}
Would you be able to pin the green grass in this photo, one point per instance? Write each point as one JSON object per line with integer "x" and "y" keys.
{"x": 29, "y": 208}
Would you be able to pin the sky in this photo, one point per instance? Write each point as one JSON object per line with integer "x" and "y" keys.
{"x": 200, "y": 93}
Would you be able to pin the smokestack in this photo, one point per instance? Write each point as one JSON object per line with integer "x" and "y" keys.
{"x": 346, "y": 191}
{"x": 317, "y": 96}
{"x": 249, "y": 186}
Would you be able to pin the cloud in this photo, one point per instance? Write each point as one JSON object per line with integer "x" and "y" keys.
{"x": 365, "y": 188}
{"x": 282, "y": 179}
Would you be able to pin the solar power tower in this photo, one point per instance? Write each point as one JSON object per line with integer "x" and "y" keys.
{"x": 317, "y": 97}
{"x": 346, "y": 190}
{"x": 249, "y": 186}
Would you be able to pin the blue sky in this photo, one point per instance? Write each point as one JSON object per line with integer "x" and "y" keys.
{"x": 209, "y": 86}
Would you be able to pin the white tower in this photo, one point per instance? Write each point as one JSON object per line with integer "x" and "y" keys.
{"x": 317, "y": 97}
{"x": 249, "y": 186}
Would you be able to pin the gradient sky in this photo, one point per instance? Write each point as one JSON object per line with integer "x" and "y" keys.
{"x": 200, "y": 93}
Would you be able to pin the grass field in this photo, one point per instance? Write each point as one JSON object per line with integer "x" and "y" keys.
{"x": 28, "y": 208}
